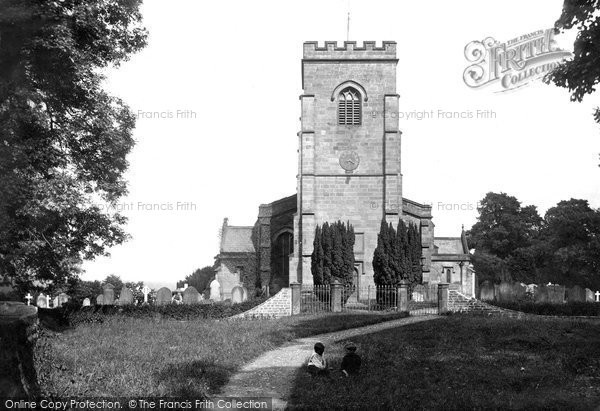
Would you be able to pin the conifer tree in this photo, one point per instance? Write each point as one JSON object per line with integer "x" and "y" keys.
{"x": 317, "y": 257}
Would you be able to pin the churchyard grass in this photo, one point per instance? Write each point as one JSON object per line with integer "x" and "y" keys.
{"x": 133, "y": 357}
{"x": 465, "y": 362}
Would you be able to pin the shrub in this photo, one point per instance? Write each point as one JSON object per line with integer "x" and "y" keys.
{"x": 568, "y": 309}
{"x": 73, "y": 314}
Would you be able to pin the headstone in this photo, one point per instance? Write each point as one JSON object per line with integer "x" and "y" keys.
{"x": 41, "y": 301}
{"x": 505, "y": 292}
{"x": 519, "y": 292}
{"x": 28, "y": 297}
{"x": 576, "y": 294}
{"x": 190, "y": 295}
{"x": 245, "y": 296}
{"x": 146, "y": 290}
{"x": 589, "y": 295}
{"x": 486, "y": 291}
{"x": 556, "y": 294}
{"x": 100, "y": 300}
{"x": 62, "y": 298}
{"x": 418, "y": 293}
{"x": 55, "y": 302}
{"x": 215, "y": 290}
{"x": 541, "y": 294}
{"x": 109, "y": 294}
{"x": 126, "y": 296}
{"x": 597, "y": 295}
{"x": 86, "y": 302}
{"x": 237, "y": 295}
{"x": 163, "y": 296}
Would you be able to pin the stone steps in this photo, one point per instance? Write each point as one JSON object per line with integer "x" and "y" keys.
{"x": 459, "y": 303}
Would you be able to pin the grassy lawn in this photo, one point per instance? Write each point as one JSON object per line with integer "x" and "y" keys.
{"x": 131, "y": 357}
{"x": 463, "y": 362}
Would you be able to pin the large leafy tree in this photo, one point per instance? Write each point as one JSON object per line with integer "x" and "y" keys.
{"x": 572, "y": 238}
{"x": 63, "y": 139}
{"x": 581, "y": 74}
{"x": 199, "y": 279}
{"x": 504, "y": 228}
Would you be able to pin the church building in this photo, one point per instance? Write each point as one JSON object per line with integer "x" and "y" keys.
{"x": 349, "y": 169}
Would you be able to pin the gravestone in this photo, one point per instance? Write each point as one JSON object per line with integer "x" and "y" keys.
{"x": 541, "y": 294}
{"x": 418, "y": 293}
{"x": 41, "y": 301}
{"x": 486, "y": 291}
{"x": 146, "y": 290}
{"x": 86, "y": 302}
{"x": 589, "y": 295}
{"x": 215, "y": 290}
{"x": 163, "y": 296}
{"x": 126, "y": 296}
{"x": 576, "y": 293}
{"x": 519, "y": 291}
{"x": 29, "y": 297}
{"x": 237, "y": 295}
{"x": 62, "y": 298}
{"x": 191, "y": 295}
{"x": 100, "y": 300}
{"x": 556, "y": 294}
{"x": 109, "y": 294}
{"x": 55, "y": 302}
{"x": 245, "y": 296}
{"x": 505, "y": 292}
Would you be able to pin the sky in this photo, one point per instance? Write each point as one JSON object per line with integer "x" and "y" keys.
{"x": 216, "y": 96}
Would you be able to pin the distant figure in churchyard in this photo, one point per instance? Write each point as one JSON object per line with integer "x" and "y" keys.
{"x": 351, "y": 361}
{"x": 191, "y": 295}
{"x": 177, "y": 298}
{"x": 163, "y": 296}
{"x": 86, "y": 302}
{"x": 215, "y": 290}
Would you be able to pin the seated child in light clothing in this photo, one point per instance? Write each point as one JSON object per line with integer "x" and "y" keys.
{"x": 317, "y": 365}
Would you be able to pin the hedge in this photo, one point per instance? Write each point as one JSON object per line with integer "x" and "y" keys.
{"x": 73, "y": 314}
{"x": 587, "y": 309}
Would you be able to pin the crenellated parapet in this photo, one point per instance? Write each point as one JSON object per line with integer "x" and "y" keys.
{"x": 349, "y": 51}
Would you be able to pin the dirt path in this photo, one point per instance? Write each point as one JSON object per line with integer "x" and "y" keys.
{"x": 272, "y": 374}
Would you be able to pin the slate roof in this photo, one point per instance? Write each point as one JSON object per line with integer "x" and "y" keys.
{"x": 451, "y": 245}
{"x": 236, "y": 239}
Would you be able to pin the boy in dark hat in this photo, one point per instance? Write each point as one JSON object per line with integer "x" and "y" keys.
{"x": 351, "y": 361}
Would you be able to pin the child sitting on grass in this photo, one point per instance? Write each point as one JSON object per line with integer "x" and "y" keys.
{"x": 317, "y": 365}
{"x": 351, "y": 361}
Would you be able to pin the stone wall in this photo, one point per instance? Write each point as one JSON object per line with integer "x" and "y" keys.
{"x": 280, "y": 305}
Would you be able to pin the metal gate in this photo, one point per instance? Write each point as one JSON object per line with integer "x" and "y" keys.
{"x": 422, "y": 299}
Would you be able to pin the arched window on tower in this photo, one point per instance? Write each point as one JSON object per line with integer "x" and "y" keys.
{"x": 349, "y": 107}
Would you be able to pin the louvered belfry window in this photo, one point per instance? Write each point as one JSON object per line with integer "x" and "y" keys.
{"x": 349, "y": 108}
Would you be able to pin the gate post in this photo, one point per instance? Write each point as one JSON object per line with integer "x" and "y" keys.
{"x": 295, "y": 298}
{"x": 443, "y": 298}
{"x": 403, "y": 297}
{"x": 336, "y": 296}
{"x": 18, "y": 333}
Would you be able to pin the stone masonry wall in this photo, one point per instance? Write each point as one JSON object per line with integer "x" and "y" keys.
{"x": 280, "y": 305}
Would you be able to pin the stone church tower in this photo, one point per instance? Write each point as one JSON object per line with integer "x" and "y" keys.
{"x": 349, "y": 148}
{"x": 349, "y": 170}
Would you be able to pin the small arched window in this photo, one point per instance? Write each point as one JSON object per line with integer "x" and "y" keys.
{"x": 349, "y": 107}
